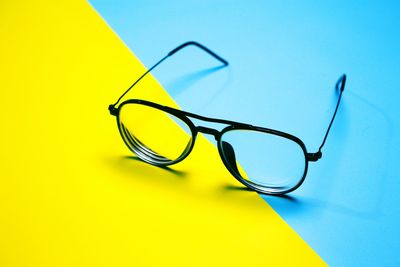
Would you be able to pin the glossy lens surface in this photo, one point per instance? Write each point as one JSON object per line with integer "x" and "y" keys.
{"x": 154, "y": 135}
{"x": 270, "y": 162}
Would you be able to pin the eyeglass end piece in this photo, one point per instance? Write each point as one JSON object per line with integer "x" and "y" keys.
{"x": 314, "y": 156}
{"x": 113, "y": 110}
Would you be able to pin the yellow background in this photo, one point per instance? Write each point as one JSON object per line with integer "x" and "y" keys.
{"x": 71, "y": 194}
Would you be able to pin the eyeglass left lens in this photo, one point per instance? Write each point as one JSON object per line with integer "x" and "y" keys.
{"x": 154, "y": 135}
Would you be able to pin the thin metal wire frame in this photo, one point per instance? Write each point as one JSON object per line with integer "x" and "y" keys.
{"x": 146, "y": 155}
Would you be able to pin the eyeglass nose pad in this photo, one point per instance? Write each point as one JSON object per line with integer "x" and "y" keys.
{"x": 230, "y": 156}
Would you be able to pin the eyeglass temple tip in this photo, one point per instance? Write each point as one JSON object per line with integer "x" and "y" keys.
{"x": 341, "y": 83}
{"x": 226, "y": 63}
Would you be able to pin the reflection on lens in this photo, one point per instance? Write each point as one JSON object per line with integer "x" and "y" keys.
{"x": 154, "y": 135}
{"x": 268, "y": 160}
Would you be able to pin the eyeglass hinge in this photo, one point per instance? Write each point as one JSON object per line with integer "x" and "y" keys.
{"x": 314, "y": 156}
{"x": 113, "y": 110}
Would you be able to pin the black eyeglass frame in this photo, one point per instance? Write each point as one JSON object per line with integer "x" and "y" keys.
{"x": 232, "y": 125}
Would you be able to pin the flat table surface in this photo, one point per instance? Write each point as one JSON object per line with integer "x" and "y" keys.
{"x": 71, "y": 193}
{"x": 285, "y": 58}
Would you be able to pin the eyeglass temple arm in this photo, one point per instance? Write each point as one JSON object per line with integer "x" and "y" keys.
{"x": 340, "y": 84}
{"x": 224, "y": 62}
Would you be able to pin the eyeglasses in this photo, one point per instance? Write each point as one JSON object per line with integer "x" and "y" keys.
{"x": 265, "y": 160}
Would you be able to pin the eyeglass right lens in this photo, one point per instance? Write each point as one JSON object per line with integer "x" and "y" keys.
{"x": 155, "y": 136}
{"x": 270, "y": 162}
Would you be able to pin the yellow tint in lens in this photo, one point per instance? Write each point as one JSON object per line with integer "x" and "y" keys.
{"x": 154, "y": 135}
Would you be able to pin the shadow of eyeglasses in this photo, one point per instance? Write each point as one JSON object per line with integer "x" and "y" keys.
{"x": 179, "y": 181}
{"x": 183, "y": 82}
{"x": 246, "y": 189}
{"x": 178, "y": 173}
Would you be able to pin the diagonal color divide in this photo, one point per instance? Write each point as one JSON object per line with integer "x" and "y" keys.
{"x": 72, "y": 195}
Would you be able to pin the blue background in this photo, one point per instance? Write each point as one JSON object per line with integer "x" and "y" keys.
{"x": 285, "y": 58}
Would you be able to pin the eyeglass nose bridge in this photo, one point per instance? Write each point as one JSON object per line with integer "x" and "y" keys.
{"x": 206, "y": 130}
